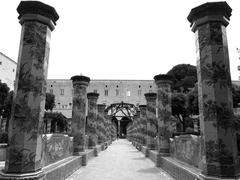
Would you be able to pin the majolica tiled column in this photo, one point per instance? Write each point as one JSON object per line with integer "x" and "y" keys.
{"x": 24, "y": 151}
{"x": 219, "y": 145}
{"x": 102, "y": 126}
{"x": 166, "y": 124}
{"x": 92, "y": 119}
{"x": 108, "y": 121}
{"x": 138, "y": 127}
{"x": 151, "y": 120}
{"x": 78, "y": 124}
{"x": 143, "y": 119}
{"x": 135, "y": 128}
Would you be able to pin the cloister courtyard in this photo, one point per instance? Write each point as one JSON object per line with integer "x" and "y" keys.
{"x": 123, "y": 140}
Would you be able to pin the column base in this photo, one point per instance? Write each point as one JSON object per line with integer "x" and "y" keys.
{"x": 38, "y": 175}
{"x": 205, "y": 177}
{"x": 151, "y": 146}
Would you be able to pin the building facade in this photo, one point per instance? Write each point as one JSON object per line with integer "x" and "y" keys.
{"x": 110, "y": 91}
{"x": 8, "y": 69}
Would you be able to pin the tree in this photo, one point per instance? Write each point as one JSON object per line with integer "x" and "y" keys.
{"x": 8, "y": 105}
{"x": 184, "y": 77}
{"x": 50, "y": 101}
{"x": 192, "y": 101}
{"x": 4, "y": 91}
{"x": 236, "y": 96}
{"x": 179, "y": 109}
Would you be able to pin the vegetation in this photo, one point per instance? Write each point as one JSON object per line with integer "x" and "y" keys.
{"x": 57, "y": 120}
{"x": 50, "y": 101}
{"x": 185, "y": 97}
{"x": 184, "y": 77}
{"x": 4, "y": 93}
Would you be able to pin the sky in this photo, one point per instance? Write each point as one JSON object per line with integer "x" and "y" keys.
{"x": 118, "y": 39}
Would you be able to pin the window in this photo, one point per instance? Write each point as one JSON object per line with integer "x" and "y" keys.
{"x": 128, "y": 93}
{"x": 117, "y": 92}
{"x": 95, "y": 90}
{"x": 106, "y": 92}
{"x": 150, "y": 86}
{"x": 139, "y": 92}
{"x": 0, "y": 62}
{"x": 13, "y": 70}
{"x": 51, "y": 91}
{"x": 62, "y": 92}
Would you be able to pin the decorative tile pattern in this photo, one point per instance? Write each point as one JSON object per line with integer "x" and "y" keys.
{"x": 143, "y": 122}
{"x": 101, "y": 124}
{"x": 166, "y": 124}
{"x": 152, "y": 126}
{"x": 218, "y": 142}
{"x": 78, "y": 124}
{"x": 92, "y": 120}
{"x": 26, "y": 124}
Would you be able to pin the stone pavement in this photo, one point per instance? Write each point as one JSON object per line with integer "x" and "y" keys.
{"x": 121, "y": 161}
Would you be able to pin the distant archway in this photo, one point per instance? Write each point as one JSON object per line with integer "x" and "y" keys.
{"x": 122, "y": 114}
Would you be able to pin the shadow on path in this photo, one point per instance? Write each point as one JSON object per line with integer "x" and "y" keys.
{"x": 139, "y": 158}
{"x": 152, "y": 170}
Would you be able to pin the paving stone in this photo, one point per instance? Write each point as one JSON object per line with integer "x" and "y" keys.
{"x": 120, "y": 161}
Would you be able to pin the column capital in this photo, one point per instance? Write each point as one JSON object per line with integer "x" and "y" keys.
{"x": 163, "y": 79}
{"x": 81, "y": 80}
{"x": 92, "y": 95}
{"x": 142, "y": 106}
{"x": 150, "y": 96}
{"x": 212, "y": 11}
{"x": 37, "y": 11}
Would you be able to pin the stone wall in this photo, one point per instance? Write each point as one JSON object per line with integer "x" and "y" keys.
{"x": 186, "y": 148}
{"x": 56, "y": 147}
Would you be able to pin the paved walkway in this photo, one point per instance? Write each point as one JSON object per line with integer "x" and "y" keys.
{"x": 120, "y": 161}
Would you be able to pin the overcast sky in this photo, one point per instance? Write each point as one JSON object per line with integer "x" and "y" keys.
{"x": 118, "y": 39}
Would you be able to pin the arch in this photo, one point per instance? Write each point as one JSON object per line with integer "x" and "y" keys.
{"x": 122, "y": 114}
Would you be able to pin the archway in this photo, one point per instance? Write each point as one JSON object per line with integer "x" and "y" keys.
{"x": 122, "y": 114}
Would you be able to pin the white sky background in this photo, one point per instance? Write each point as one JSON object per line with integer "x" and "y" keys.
{"x": 118, "y": 39}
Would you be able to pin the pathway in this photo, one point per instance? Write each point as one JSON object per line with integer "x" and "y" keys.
{"x": 121, "y": 161}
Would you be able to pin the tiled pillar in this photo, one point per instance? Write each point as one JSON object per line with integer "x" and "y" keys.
{"x": 107, "y": 119}
{"x": 143, "y": 119}
{"x": 151, "y": 120}
{"x": 78, "y": 124}
{"x": 138, "y": 127}
{"x": 134, "y": 132}
{"x": 166, "y": 124}
{"x": 101, "y": 131}
{"x": 219, "y": 144}
{"x": 92, "y": 119}
{"x": 24, "y": 151}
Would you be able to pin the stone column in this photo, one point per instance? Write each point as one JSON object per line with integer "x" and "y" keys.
{"x": 92, "y": 119}
{"x": 166, "y": 124}
{"x": 219, "y": 144}
{"x": 102, "y": 126}
{"x": 107, "y": 119}
{"x": 78, "y": 124}
{"x": 151, "y": 120}
{"x": 138, "y": 127}
{"x": 143, "y": 119}
{"x": 26, "y": 123}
